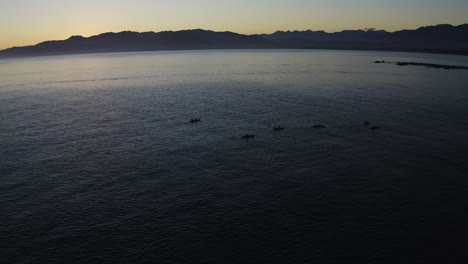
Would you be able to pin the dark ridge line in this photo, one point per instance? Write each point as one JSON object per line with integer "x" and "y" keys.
{"x": 444, "y": 39}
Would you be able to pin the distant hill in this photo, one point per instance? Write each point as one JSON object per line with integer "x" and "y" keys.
{"x": 437, "y": 39}
{"x": 441, "y": 37}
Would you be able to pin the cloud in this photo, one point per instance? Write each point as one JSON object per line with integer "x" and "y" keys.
{"x": 368, "y": 29}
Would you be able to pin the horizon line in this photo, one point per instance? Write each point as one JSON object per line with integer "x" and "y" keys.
{"x": 220, "y": 31}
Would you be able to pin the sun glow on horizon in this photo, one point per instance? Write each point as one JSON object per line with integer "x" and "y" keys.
{"x": 28, "y": 22}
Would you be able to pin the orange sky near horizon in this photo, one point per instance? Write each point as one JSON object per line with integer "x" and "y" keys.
{"x": 28, "y": 22}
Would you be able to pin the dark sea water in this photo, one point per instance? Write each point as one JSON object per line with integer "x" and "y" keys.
{"x": 99, "y": 164}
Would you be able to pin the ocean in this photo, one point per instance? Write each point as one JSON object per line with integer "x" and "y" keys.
{"x": 100, "y": 164}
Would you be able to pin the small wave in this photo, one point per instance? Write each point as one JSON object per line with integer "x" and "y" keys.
{"x": 83, "y": 80}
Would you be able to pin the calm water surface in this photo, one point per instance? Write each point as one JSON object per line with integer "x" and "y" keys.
{"x": 98, "y": 163}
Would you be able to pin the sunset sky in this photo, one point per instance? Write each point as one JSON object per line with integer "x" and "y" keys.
{"x": 26, "y": 22}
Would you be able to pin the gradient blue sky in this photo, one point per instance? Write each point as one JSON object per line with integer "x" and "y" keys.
{"x": 25, "y": 22}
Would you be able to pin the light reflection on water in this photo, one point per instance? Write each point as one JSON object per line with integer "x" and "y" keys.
{"x": 98, "y": 160}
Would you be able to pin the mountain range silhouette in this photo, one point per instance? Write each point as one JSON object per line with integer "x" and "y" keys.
{"x": 435, "y": 39}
